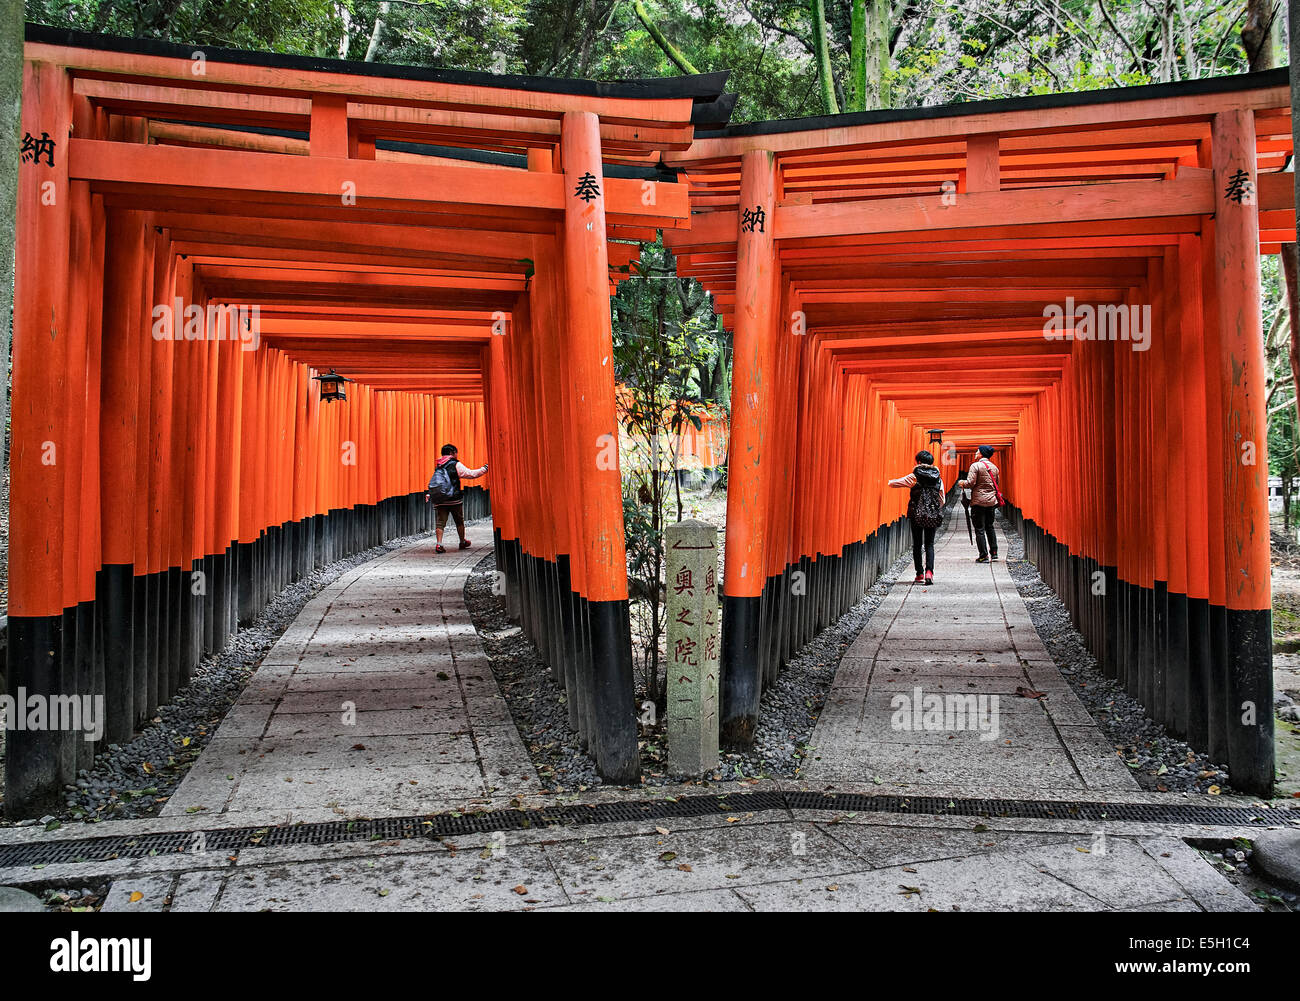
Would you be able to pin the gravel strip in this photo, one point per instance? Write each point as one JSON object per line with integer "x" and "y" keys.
{"x": 788, "y": 711}
{"x": 74, "y": 899}
{"x": 134, "y": 780}
{"x": 1145, "y": 745}
{"x": 1235, "y": 862}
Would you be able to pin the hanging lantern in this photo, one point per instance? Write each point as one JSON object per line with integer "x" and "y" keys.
{"x": 331, "y": 386}
{"x": 936, "y": 436}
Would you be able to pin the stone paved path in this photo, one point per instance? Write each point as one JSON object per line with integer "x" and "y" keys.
{"x": 394, "y": 639}
{"x": 969, "y": 634}
{"x": 765, "y": 862}
{"x": 378, "y": 699}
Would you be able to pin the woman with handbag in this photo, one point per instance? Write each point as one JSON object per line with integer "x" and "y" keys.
{"x": 985, "y": 498}
{"x": 924, "y": 511}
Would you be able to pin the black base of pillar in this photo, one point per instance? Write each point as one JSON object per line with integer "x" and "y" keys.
{"x": 114, "y": 596}
{"x": 1249, "y": 703}
{"x": 617, "y": 757}
{"x": 32, "y": 756}
{"x": 1198, "y": 672}
{"x": 741, "y": 682}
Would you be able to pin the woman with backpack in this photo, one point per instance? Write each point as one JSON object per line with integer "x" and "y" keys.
{"x": 985, "y": 498}
{"x": 445, "y": 491}
{"x": 924, "y": 511}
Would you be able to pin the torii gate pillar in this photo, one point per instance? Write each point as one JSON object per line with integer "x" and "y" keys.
{"x": 747, "y": 467}
{"x": 586, "y": 285}
{"x": 1249, "y": 675}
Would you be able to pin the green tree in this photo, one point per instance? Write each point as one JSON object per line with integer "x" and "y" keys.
{"x": 667, "y": 347}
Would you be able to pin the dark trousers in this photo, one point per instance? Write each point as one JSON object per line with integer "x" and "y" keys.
{"x": 982, "y": 517}
{"x": 457, "y": 511}
{"x": 923, "y": 536}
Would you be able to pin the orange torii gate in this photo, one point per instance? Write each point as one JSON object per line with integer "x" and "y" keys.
{"x": 201, "y": 234}
{"x": 449, "y": 240}
{"x": 891, "y": 272}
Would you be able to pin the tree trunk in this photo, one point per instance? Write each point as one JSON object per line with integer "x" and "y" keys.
{"x": 824, "y": 78}
{"x": 670, "y": 50}
{"x": 1191, "y": 70}
{"x": 677, "y": 477}
{"x": 1290, "y": 256}
{"x": 858, "y": 56}
{"x": 1291, "y": 269}
{"x": 345, "y": 40}
{"x": 375, "y": 34}
{"x": 656, "y": 533}
{"x": 11, "y": 89}
{"x": 1257, "y": 34}
{"x": 876, "y": 57}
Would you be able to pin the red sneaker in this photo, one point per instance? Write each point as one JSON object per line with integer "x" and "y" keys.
{"x": 439, "y": 548}
{"x": 929, "y": 577}
{"x": 920, "y": 579}
{"x": 464, "y": 543}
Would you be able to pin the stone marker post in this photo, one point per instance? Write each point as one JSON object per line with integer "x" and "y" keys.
{"x": 691, "y": 565}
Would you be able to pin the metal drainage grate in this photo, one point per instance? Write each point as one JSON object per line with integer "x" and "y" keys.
{"x": 237, "y": 839}
{"x": 1147, "y": 813}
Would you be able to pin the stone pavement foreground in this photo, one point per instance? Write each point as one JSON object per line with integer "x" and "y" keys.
{"x": 779, "y": 860}
{"x": 377, "y": 700}
{"x": 768, "y": 861}
{"x": 393, "y": 637}
{"x": 967, "y": 635}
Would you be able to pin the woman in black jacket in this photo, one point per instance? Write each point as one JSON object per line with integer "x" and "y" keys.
{"x": 925, "y": 477}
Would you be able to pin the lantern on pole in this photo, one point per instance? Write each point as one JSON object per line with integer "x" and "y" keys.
{"x": 331, "y": 386}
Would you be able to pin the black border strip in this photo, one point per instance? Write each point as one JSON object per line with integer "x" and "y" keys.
{"x": 706, "y": 87}
{"x": 1071, "y": 99}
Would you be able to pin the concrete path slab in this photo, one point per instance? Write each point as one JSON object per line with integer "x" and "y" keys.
{"x": 926, "y": 695}
{"x": 431, "y": 732}
{"x": 378, "y": 699}
{"x": 750, "y": 862}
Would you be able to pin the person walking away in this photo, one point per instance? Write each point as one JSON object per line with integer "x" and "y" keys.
{"x": 985, "y": 496}
{"x": 924, "y": 511}
{"x": 445, "y": 491}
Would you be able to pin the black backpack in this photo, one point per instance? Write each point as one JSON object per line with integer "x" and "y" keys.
{"x": 925, "y": 508}
{"x": 444, "y": 484}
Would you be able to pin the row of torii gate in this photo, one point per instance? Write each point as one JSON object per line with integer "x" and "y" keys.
{"x": 450, "y": 241}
